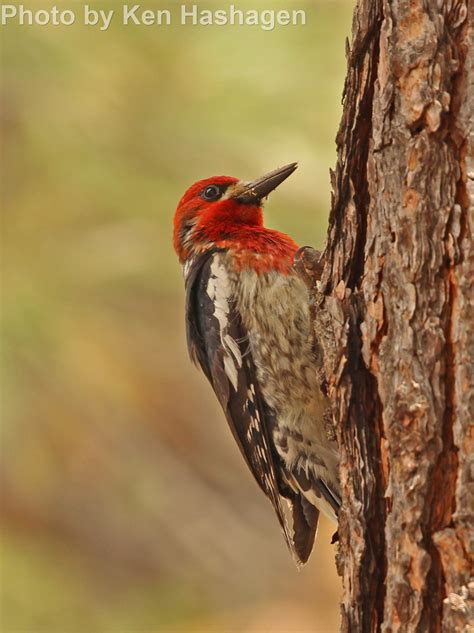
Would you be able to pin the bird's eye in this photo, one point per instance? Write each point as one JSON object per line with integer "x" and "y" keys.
{"x": 211, "y": 193}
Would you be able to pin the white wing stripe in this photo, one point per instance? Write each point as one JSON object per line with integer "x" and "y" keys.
{"x": 219, "y": 291}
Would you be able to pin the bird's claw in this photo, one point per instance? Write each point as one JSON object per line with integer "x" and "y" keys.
{"x": 307, "y": 263}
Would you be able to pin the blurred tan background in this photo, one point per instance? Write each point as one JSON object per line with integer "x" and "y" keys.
{"x": 125, "y": 503}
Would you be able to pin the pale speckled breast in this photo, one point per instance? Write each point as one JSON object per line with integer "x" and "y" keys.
{"x": 275, "y": 312}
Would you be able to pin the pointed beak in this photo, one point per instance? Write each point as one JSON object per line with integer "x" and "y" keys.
{"x": 253, "y": 192}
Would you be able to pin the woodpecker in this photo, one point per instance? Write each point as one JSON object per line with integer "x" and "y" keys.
{"x": 248, "y": 328}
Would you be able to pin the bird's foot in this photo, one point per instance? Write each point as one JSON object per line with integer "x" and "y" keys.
{"x": 308, "y": 265}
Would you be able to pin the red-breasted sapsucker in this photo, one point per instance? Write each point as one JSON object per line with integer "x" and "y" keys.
{"x": 248, "y": 328}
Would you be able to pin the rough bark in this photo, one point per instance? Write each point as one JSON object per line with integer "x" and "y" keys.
{"x": 395, "y": 317}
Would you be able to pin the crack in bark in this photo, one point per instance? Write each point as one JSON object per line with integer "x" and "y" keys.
{"x": 359, "y": 424}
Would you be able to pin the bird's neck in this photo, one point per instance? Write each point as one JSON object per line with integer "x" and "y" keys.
{"x": 259, "y": 248}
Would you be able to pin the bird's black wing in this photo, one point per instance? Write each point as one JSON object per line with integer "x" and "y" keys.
{"x": 218, "y": 343}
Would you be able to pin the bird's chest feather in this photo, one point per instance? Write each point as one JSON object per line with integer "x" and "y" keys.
{"x": 275, "y": 311}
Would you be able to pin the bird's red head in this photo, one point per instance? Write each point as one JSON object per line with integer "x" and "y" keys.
{"x": 222, "y": 211}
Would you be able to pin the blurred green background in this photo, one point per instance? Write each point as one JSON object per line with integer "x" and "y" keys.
{"x": 125, "y": 503}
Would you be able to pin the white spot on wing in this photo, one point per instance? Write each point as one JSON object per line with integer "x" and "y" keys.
{"x": 231, "y": 371}
{"x": 234, "y": 348}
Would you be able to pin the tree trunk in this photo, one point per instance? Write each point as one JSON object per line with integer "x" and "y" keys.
{"x": 395, "y": 315}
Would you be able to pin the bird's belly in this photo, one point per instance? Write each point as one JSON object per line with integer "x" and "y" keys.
{"x": 275, "y": 311}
